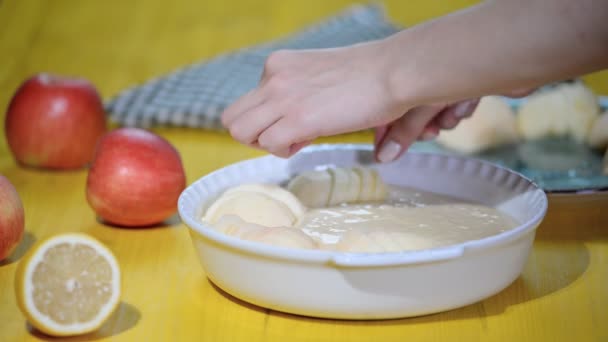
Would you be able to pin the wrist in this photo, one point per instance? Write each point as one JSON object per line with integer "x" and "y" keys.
{"x": 402, "y": 66}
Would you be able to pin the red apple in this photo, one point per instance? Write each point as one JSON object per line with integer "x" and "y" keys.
{"x": 11, "y": 218}
{"x": 54, "y": 122}
{"x": 135, "y": 179}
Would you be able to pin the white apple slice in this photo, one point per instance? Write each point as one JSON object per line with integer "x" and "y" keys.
{"x": 252, "y": 207}
{"x": 380, "y": 188}
{"x": 282, "y": 237}
{"x": 355, "y": 186}
{"x": 233, "y": 225}
{"x": 276, "y": 192}
{"x": 312, "y": 188}
{"x": 367, "y": 183}
{"x": 341, "y": 186}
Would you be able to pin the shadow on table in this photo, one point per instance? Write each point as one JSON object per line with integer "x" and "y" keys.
{"x": 124, "y": 318}
{"x": 24, "y": 245}
{"x": 545, "y": 273}
{"x": 575, "y": 219}
{"x": 171, "y": 222}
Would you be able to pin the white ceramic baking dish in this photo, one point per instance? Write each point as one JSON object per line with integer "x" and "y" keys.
{"x": 369, "y": 286}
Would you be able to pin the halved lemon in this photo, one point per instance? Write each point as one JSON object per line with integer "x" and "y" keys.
{"x": 68, "y": 284}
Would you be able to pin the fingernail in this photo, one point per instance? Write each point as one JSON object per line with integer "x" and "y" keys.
{"x": 428, "y": 136}
{"x": 464, "y": 109}
{"x": 389, "y": 151}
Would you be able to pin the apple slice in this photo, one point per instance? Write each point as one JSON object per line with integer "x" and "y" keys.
{"x": 367, "y": 183}
{"x": 276, "y": 192}
{"x": 380, "y": 188}
{"x": 312, "y": 188}
{"x": 341, "y": 191}
{"x": 252, "y": 207}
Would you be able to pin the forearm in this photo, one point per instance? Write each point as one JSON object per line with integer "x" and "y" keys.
{"x": 496, "y": 47}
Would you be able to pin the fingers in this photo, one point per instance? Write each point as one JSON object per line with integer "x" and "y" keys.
{"x": 289, "y": 151}
{"x": 461, "y": 109}
{"x": 446, "y": 120}
{"x": 404, "y": 131}
{"x": 379, "y": 133}
{"x": 430, "y": 132}
{"x": 275, "y": 124}
{"x": 276, "y": 61}
{"x": 250, "y": 100}
{"x": 247, "y": 128}
{"x": 284, "y": 133}
{"x": 451, "y": 116}
{"x": 297, "y": 147}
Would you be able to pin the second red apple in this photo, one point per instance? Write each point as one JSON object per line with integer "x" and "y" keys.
{"x": 135, "y": 179}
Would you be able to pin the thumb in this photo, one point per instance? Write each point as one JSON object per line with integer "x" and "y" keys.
{"x": 404, "y": 131}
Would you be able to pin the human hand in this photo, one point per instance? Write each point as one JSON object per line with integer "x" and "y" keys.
{"x": 307, "y": 94}
{"x": 420, "y": 123}
{"x": 425, "y": 123}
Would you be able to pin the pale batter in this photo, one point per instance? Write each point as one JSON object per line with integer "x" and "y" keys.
{"x": 426, "y": 219}
{"x": 404, "y": 219}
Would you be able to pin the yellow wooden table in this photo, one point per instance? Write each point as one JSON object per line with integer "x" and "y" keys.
{"x": 561, "y": 296}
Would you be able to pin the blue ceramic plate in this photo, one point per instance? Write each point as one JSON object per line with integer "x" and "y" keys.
{"x": 558, "y": 165}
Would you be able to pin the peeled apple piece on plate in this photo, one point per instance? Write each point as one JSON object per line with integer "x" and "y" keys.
{"x": 276, "y": 192}
{"x": 252, "y": 207}
{"x": 491, "y": 125}
{"x": 312, "y": 188}
{"x": 568, "y": 109}
{"x": 381, "y": 241}
{"x": 598, "y": 135}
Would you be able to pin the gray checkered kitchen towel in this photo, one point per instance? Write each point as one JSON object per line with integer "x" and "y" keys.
{"x": 196, "y": 95}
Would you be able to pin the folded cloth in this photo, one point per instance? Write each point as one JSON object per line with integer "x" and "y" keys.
{"x": 196, "y": 95}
